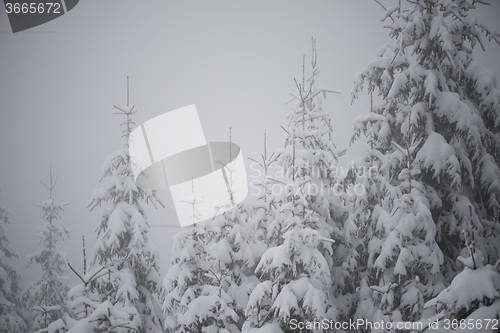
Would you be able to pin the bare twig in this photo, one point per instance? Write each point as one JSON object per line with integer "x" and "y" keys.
{"x": 377, "y": 1}
{"x": 74, "y": 271}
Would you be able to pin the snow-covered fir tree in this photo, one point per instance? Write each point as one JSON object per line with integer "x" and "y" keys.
{"x": 90, "y": 313}
{"x": 197, "y": 284}
{"x": 123, "y": 246}
{"x": 237, "y": 248}
{"x": 365, "y": 208}
{"x": 11, "y": 320}
{"x": 431, "y": 84}
{"x": 401, "y": 262}
{"x": 241, "y": 253}
{"x": 211, "y": 273}
{"x": 435, "y": 139}
{"x": 261, "y": 213}
{"x": 46, "y": 298}
{"x": 93, "y": 314}
{"x": 296, "y": 271}
{"x": 187, "y": 277}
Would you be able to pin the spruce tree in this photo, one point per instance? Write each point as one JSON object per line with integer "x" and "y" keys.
{"x": 260, "y": 214}
{"x": 46, "y": 297}
{"x": 366, "y": 172}
{"x": 211, "y": 273}
{"x": 434, "y": 90}
{"x": 435, "y": 136}
{"x": 123, "y": 245}
{"x": 10, "y": 312}
{"x": 296, "y": 271}
{"x": 197, "y": 284}
{"x": 92, "y": 312}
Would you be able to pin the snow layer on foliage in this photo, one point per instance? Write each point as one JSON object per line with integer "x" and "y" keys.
{"x": 467, "y": 287}
{"x": 82, "y": 297}
{"x": 485, "y": 312}
{"x": 274, "y": 258}
{"x": 485, "y": 82}
{"x": 205, "y": 307}
{"x": 490, "y": 178}
{"x": 479, "y": 321}
{"x": 371, "y": 116}
{"x": 222, "y": 251}
{"x": 410, "y": 218}
{"x": 437, "y": 155}
{"x": 305, "y": 291}
{"x": 454, "y": 110}
{"x": 11, "y": 322}
{"x": 473, "y": 261}
{"x": 107, "y": 317}
{"x": 262, "y": 291}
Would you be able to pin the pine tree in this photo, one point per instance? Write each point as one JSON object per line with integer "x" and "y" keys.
{"x": 402, "y": 263}
{"x": 260, "y": 214}
{"x": 124, "y": 246}
{"x": 237, "y": 241}
{"x": 236, "y": 249}
{"x": 196, "y": 286}
{"x": 296, "y": 271}
{"x": 90, "y": 313}
{"x": 432, "y": 86}
{"x": 436, "y": 138}
{"x": 46, "y": 297}
{"x": 366, "y": 172}
{"x": 11, "y": 320}
{"x": 211, "y": 275}
{"x": 262, "y": 211}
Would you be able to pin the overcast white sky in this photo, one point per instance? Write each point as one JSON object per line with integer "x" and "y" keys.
{"x": 235, "y": 60}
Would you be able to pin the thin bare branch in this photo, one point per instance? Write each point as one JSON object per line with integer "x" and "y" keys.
{"x": 377, "y": 1}
{"x": 74, "y": 271}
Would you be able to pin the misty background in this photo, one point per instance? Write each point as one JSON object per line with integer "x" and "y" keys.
{"x": 235, "y": 60}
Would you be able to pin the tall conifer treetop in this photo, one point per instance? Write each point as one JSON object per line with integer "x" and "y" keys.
{"x": 46, "y": 297}
{"x": 124, "y": 244}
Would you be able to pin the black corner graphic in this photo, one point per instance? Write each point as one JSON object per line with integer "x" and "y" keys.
{"x": 26, "y": 14}
{"x": 70, "y": 4}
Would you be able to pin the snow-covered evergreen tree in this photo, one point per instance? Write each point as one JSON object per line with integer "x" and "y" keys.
{"x": 124, "y": 246}
{"x": 260, "y": 214}
{"x": 93, "y": 314}
{"x": 434, "y": 91}
{"x": 402, "y": 261}
{"x": 262, "y": 211}
{"x": 11, "y": 320}
{"x": 46, "y": 297}
{"x": 436, "y": 139}
{"x": 296, "y": 271}
{"x": 365, "y": 208}
{"x": 211, "y": 274}
{"x": 89, "y": 312}
{"x": 197, "y": 284}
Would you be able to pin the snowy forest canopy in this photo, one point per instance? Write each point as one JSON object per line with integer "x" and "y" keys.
{"x": 414, "y": 238}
